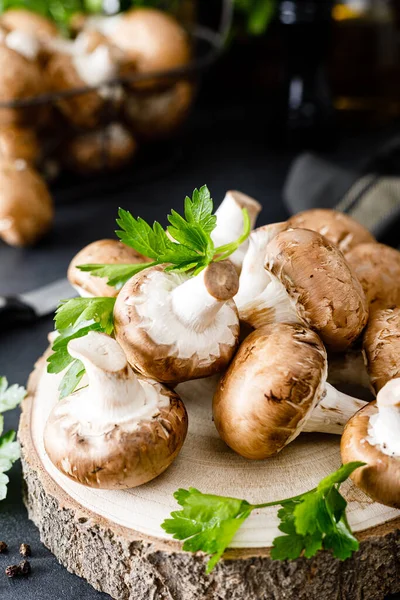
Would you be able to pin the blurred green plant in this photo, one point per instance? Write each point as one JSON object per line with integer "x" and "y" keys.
{"x": 257, "y": 14}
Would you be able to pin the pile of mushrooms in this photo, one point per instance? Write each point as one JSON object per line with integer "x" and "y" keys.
{"x": 270, "y": 322}
{"x": 100, "y": 128}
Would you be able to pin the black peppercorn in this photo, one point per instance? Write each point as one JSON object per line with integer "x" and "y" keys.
{"x": 3, "y": 547}
{"x": 12, "y": 571}
{"x": 24, "y": 567}
{"x": 25, "y": 550}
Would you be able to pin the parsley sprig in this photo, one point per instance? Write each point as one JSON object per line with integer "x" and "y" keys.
{"x": 186, "y": 246}
{"x": 75, "y": 318}
{"x": 310, "y": 522}
{"x": 10, "y": 397}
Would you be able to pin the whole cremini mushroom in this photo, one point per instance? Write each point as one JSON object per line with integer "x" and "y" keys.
{"x": 121, "y": 430}
{"x": 19, "y": 143}
{"x": 378, "y": 268}
{"x": 254, "y": 278}
{"x": 111, "y": 148}
{"x": 26, "y": 207}
{"x": 372, "y": 436}
{"x": 151, "y": 39}
{"x": 340, "y": 229}
{"x": 311, "y": 283}
{"x": 274, "y": 389}
{"x": 28, "y": 22}
{"x": 174, "y": 327}
{"x": 111, "y": 252}
{"x": 381, "y": 346}
{"x": 230, "y": 222}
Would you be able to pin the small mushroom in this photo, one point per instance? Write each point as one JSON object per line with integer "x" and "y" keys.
{"x": 340, "y": 229}
{"x": 174, "y": 327}
{"x": 372, "y": 436}
{"x": 151, "y": 39}
{"x": 274, "y": 389}
{"x": 311, "y": 283}
{"x": 28, "y": 22}
{"x": 26, "y": 207}
{"x": 111, "y": 148}
{"x": 121, "y": 430}
{"x": 254, "y": 278}
{"x": 381, "y": 346}
{"x": 378, "y": 269}
{"x": 19, "y": 143}
{"x": 158, "y": 114}
{"x": 230, "y": 222}
{"x": 110, "y": 252}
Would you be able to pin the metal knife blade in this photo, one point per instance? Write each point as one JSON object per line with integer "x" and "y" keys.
{"x": 44, "y": 300}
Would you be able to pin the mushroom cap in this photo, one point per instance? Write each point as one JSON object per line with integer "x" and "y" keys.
{"x": 20, "y": 78}
{"x": 152, "y": 38}
{"x": 19, "y": 143}
{"x": 381, "y": 345}
{"x": 154, "y": 115}
{"x": 163, "y": 347}
{"x": 111, "y": 252}
{"x": 116, "y": 450}
{"x": 327, "y": 295}
{"x": 380, "y": 477}
{"x": 378, "y": 269}
{"x": 110, "y": 148}
{"x": 29, "y": 22}
{"x": 26, "y": 207}
{"x": 340, "y": 229}
{"x": 265, "y": 397}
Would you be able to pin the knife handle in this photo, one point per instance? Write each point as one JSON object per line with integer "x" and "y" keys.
{"x": 15, "y": 312}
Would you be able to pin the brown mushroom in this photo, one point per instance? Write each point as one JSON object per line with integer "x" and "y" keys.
{"x": 111, "y": 148}
{"x": 372, "y": 436}
{"x": 274, "y": 389}
{"x": 19, "y": 143}
{"x": 312, "y": 284}
{"x": 121, "y": 430}
{"x": 378, "y": 269}
{"x": 26, "y": 207}
{"x": 381, "y": 345}
{"x": 29, "y": 22}
{"x": 174, "y": 327}
{"x": 100, "y": 252}
{"x": 340, "y": 229}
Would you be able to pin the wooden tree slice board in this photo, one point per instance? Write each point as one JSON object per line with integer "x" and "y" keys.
{"x": 114, "y": 538}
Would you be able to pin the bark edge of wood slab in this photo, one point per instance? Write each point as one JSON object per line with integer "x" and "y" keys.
{"x": 130, "y": 566}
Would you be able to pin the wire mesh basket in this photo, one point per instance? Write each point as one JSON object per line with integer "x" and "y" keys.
{"x": 92, "y": 128}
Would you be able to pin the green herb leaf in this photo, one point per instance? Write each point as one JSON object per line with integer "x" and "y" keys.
{"x": 10, "y": 397}
{"x": 117, "y": 275}
{"x": 76, "y": 318}
{"x": 199, "y": 209}
{"x": 311, "y": 521}
{"x": 9, "y": 453}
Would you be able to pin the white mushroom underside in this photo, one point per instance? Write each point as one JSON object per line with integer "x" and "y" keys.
{"x": 24, "y": 43}
{"x": 96, "y": 67}
{"x": 163, "y": 326}
{"x": 384, "y": 430}
{"x": 273, "y": 305}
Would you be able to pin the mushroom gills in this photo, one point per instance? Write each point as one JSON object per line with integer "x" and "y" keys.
{"x": 384, "y": 426}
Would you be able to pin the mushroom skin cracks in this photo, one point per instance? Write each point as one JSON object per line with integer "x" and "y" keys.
{"x": 381, "y": 346}
{"x": 174, "y": 327}
{"x": 100, "y": 252}
{"x": 274, "y": 389}
{"x": 377, "y": 267}
{"x": 230, "y": 222}
{"x": 372, "y": 436}
{"x": 311, "y": 283}
{"x": 338, "y": 228}
{"x": 120, "y": 431}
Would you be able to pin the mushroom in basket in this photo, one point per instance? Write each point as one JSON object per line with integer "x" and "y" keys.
{"x": 18, "y": 142}
{"x": 174, "y": 327}
{"x": 121, "y": 430}
{"x": 29, "y": 22}
{"x": 373, "y": 436}
{"x": 102, "y": 251}
{"x": 274, "y": 389}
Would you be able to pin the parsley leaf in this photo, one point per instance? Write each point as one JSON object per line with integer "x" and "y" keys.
{"x": 311, "y": 521}
{"x": 75, "y": 318}
{"x": 10, "y": 397}
{"x": 117, "y": 275}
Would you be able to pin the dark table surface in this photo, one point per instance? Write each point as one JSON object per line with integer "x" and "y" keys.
{"x": 222, "y": 149}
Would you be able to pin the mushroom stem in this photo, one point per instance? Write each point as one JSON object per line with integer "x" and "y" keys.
{"x": 384, "y": 426}
{"x": 332, "y": 412}
{"x": 197, "y": 301}
{"x": 114, "y": 390}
